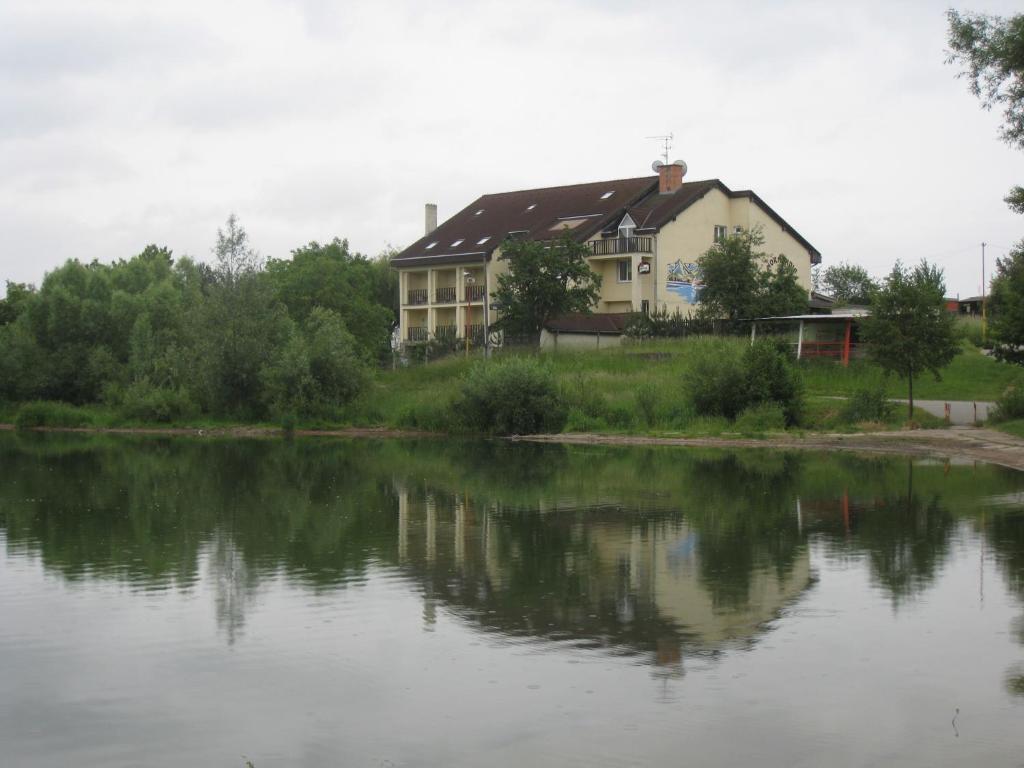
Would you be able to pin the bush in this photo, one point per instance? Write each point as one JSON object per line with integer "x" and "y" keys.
{"x": 647, "y": 402}
{"x": 772, "y": 377}
{"x": 763, "y": 417}
{"x": 515, "y": 396}
{"x": 715, "y": 381}
{"x": 49, "y": 414}
{"x": 144, "y": 402}
{"x": 1009, "y": 405}
{"x": 722, "y": 381}
{"x": 869, "y": 403}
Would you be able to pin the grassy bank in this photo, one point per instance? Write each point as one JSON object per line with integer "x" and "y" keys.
{"x": 634, "y": 389}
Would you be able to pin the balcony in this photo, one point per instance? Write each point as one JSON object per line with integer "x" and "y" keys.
{"x": 619, "y": 245}
{"x": 475, "y": 293}
{"x": 446, "y": 332}
{"x": 418, "y": 333}
{"x": 444, "y": 295}
{"x": 417, "y": 296}
{"x": 475, "y": 334}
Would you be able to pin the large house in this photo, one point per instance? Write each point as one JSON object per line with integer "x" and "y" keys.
{"x": 645, "y": 236}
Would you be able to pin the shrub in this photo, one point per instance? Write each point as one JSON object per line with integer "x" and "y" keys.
{"x": 50, "y": 414}
{"x": 1009, "y": 405}
{"x": 145, "y": 402}
{"x": 869, "y": 403}
{"x": 722, "y": 381}
{"x": 715, "y": 381}
{"x": 772, "y": 377}
{"x": 514, "y": 396}
{"x": 763, "y": 417}
{"x": 647, "y": 402}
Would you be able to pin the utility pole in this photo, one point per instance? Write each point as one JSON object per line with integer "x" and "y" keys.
{"x": 984, "y": 292}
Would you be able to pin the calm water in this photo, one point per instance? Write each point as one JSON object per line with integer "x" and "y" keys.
{"x": 321, "y": 603}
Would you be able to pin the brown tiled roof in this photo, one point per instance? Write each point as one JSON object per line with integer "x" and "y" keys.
{"x": 605, "y": 322}
{"x": 495, "y": 217}
{"x": 510, "y": 212}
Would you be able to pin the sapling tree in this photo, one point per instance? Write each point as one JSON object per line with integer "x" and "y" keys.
{"x": 909, "y": 331}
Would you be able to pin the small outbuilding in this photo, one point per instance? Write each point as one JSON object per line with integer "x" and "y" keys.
{"x": 834, "y": 337}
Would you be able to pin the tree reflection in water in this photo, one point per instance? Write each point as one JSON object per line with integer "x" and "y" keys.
{"x": 667, "y": 553}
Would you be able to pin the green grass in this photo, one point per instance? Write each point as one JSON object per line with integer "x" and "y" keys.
{"x": 1015, "y": 427}
{"x": 971, "y": 376}
{"x": 633, "y": 389}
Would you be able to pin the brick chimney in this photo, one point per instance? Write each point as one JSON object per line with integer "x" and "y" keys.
{"x": 670, "y": 177}
{"x": 431, "y": 217}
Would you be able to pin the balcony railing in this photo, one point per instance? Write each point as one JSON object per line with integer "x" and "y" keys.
{"x": 446, "y": 332}
{"x": 475, "y": 334}
{"x": 444, "y": 295}
{"x": 475, "y": 292}
{"x": 417, "y": 296}
{"x": 418, "y": 333}
{"x": 617, "y": 245}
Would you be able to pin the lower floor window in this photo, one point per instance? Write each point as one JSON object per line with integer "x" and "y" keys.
{"x": 625, "y": 270}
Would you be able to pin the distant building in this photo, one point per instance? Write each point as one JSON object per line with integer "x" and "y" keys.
{"x": 645, "y": 236}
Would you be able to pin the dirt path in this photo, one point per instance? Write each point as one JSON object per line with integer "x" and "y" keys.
{"x": 970, "y": 443}
{"x": 956, "y": 442}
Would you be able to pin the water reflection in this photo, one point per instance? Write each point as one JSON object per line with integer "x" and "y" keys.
{"x": 659, "y": 552}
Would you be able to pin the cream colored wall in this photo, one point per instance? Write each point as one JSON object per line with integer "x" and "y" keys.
{"x": 777, "y": 241}
{"x": 693, "y": 233}
{"x": 550, "y": 342}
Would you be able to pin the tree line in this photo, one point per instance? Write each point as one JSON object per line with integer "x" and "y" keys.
{"x": 161, "y": 338}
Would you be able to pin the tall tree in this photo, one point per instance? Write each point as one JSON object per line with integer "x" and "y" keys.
{"x": 1006, "y": 303}
{"x": 991, "y": 51}
{"x": 544, "y": 280}
{"x": 848, "y": 283}
{"x": 742, "y": 282}
{"x": 909, "y": 330}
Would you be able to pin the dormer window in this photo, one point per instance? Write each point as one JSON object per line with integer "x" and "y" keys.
{"x": 626, "y": 226}
{"x": 458, "y": 242}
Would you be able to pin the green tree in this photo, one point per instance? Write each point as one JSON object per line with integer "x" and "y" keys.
{"x": 991, "y": 51}
{"x": 544, "y": 280}
{"x": 848, "y": 283}
{"x": 359, "y": 290}
{"x": 909, "y": 330}
{"x": 1006, "y": 303}
{"x": 742, "y": 282}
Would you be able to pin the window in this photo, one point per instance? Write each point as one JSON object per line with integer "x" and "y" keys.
{"x": 606, "y": 195}
{"x": 479, "y": 212}
{"x": 568, "y": 223}
{"x": 483, "y": 240}
{"x": 625, "y": 271}
{"x": 626, "y": 226}
{"x": 721, "y": 231}
{"x": 645, "y": 306}
{"x": 531, "y": 206}
{"x": 432, "y": 245}
{"x": 458, "y": 242}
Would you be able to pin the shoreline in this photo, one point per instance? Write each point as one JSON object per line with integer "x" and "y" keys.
{"x": 972, "y": 443}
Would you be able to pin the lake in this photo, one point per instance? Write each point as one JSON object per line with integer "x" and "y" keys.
{"x": 328, "y": 602}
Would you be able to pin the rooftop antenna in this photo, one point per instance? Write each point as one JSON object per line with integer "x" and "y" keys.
{"x": 666, "y": 142}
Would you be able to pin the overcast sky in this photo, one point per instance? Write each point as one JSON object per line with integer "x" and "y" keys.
{"x": 128, "y": 123}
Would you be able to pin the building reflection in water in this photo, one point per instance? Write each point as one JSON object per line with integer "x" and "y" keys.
{"x": 633, "y": 582}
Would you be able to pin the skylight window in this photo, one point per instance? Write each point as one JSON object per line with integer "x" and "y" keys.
{"x": 432, "y": 245}
{"x": 483, "y": 240}
{"x": 608, "y": 194}
{"x": 479, "y": 212}
{"x": 531, "y": 206}
{"x": 458, "y": 242}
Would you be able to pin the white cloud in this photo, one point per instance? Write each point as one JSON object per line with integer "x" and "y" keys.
{"x": 124, "y": 124}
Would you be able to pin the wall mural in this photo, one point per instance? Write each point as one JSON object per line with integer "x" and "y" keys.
{"x": 684, "y": 280}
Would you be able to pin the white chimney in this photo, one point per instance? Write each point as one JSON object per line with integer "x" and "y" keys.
{"x": 431, "y": 216}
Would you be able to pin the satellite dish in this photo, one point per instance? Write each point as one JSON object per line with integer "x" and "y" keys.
{"x": 656, "y": 165}
{"x": 681, "y": 164}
